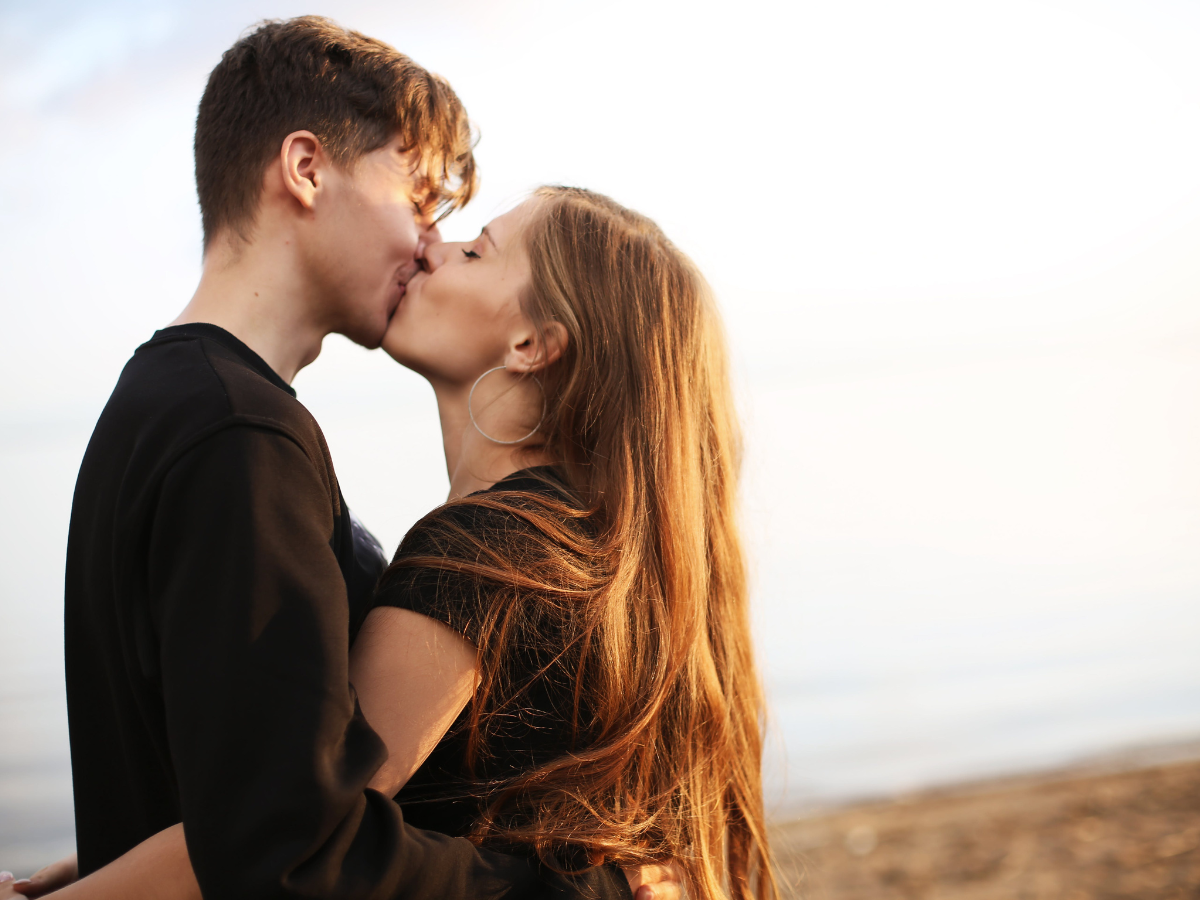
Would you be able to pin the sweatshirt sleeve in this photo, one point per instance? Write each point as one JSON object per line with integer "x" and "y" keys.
{"x": 270, "y": 751}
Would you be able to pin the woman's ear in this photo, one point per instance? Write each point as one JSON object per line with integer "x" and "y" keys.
{"x": 534, "y": 353}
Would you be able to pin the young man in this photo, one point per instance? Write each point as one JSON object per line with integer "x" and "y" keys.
{"x": 215, "y": 577}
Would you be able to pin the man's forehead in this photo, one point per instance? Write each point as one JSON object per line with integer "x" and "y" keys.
{"x": 414, "y": 167}
{"x": 423, "y": 172}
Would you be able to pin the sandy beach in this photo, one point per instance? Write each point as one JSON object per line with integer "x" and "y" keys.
{"x": 1070, "y": 836}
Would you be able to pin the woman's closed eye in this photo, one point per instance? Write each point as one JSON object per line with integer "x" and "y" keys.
{"x": 471, "y": 254}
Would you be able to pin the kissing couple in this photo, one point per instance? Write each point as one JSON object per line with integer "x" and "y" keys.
{"x": 550, "y": 691}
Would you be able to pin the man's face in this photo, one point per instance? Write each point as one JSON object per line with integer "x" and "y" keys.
{"x": 370, "y": 228}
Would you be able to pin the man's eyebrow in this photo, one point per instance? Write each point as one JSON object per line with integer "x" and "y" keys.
{"x": 487, "y": 234}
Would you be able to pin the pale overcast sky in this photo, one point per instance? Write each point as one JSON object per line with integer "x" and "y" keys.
{"x": 858, "y": 178}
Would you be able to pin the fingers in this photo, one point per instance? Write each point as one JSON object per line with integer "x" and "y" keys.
{"x": 49, "y": 878}
{"x": 660, "y": 890}
{"x": 30, "y": 887}
{"x": 652, "y": 874}
{"x": 660, "y": 881}
{"x": 673, "y": 871}
{"x": 58, "y": 874}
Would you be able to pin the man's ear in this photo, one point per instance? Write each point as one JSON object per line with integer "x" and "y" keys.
{"x": 302, "y": 162}
{"x": 535, "y": 352}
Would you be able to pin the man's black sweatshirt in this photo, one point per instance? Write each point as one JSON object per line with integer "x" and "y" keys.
{"x": 214, "y": 579}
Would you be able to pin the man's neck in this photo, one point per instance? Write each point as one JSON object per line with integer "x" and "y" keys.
{"x": 258, "y": 294}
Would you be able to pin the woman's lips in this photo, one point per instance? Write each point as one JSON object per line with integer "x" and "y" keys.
{"x": 399, "y": 298}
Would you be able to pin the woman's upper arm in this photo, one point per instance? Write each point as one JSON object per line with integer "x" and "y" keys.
{"x": 413, "y": 676}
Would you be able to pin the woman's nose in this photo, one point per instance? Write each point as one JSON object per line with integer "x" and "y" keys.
{"x": 432, "y": 253}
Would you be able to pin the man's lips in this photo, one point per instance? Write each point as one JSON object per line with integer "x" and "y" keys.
{"x": 407, "y": 274}
{"x": 404, "y": 279}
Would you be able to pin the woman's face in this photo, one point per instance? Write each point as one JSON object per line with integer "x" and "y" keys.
{"x": 462, "y": 315}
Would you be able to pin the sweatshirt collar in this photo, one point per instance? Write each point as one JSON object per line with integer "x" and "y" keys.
{"x": 227, "y": 340}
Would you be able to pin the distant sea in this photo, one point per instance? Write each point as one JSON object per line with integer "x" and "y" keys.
{"x": 924, "y": 615}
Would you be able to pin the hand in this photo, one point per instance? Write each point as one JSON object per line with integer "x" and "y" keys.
{"x": 6, "y": 887}
{"x": 664, "y": 881}
{"x": 43, "y": 881}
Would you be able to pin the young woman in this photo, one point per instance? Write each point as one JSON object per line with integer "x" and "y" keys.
{"x": 560, "y": 658}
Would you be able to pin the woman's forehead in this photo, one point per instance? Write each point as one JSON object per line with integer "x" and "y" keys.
{"x": 511, "y": 223}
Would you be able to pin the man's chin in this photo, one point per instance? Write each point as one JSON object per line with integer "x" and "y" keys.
{"x": 369, "y": 337}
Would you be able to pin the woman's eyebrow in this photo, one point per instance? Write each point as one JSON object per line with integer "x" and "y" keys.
{"x": 487, "y": 234}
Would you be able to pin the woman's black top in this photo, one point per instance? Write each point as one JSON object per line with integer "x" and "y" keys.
{"x": 444, "y": 794}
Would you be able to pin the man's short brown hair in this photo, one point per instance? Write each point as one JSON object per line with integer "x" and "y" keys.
{"x": 353, "y": 92}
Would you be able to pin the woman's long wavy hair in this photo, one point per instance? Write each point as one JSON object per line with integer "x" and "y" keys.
{"x": 644, "y": 574}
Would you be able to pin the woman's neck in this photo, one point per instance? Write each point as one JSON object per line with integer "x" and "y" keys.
{"x": 474, "y": 463}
